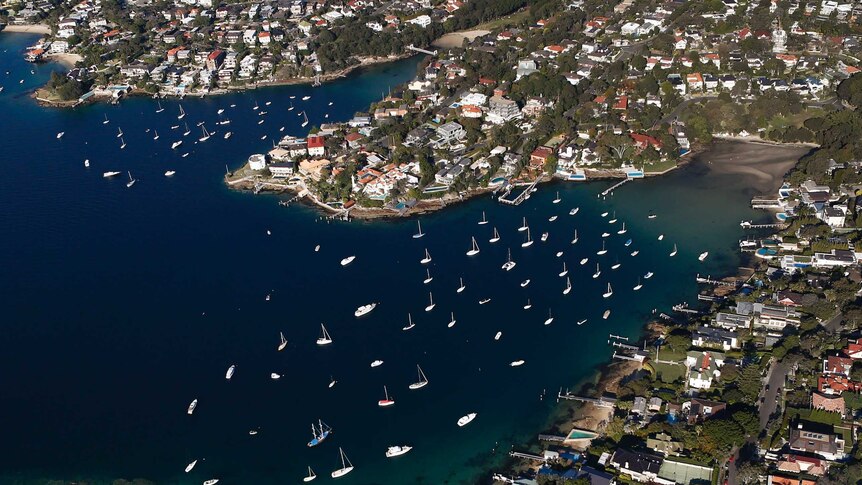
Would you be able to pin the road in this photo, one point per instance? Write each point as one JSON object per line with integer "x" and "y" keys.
{"x": 834, "y": 323}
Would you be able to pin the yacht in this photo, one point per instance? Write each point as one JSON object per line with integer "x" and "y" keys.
{"x": 192, "y": 407}
{"x": 598, "y": 272}
{"x": 422, "y": 382}
{"x": 529, "y": 241}
{"x": 523, "y": 226}
{"x": 176, "y": 144}
{"x": 606, "y": 234}
{"x": 486, "y": 300}
{"x": 394, "y": 451}
{"x": 283, "y": 342}
{"x": 420, "y": 233}
{"x": 311, "y": 475}
{"x": 465, "y": 420}
{"x": 182, "y": 113}
{"x": 377, "y": 363}
{"x": 462, "y": 287}
{"x": 495, "y": 237}
{"x": 608, "y": 293}
{"x": 131, "y": 180}
{"x": 430, "y": 302}
{"x": 525, "y": 283}
{"x": 558, "y": 199}
{"x": 274, "y": 376}
{"x": 565, "y": 270}
{"x": 122, "y": 143}
{"x": 386, "y": 401}
{"x": 603, "y": 250}
{"x": 106, "y": 120}
{"x": 673, "y": 253}
{"x": 220, "y": 111}
{"x": 703, "y": 256}
{"x": 330, "y": 103}
{"x": 473, "y": 250}
{"x": 346, "y": 466}
{"x": 191, "y": 465}
{"x": 568, "y": 286}
{"x": 364, "y": 309}
{"x": 451, "y": 320}
{"x": 206, "y": 136}
{"x": 306, "y": 98}
{"x": 156, "y": 135}
{"x": 550, "y": 318}
{"x": 581, "y": 322}
{"x": 110, "y": 174}
{"x": 228, "y": 135}
{"x": 410, "y": 323}
{"x": 605, "y": 214}
{"x": 651, "y": 216}
{"x": 87, "y": 163}
{"x": 628, "y": 243}
{"x": 516, "y": 363}
{"x": 575, "y": 239}
{"x": 552, "y": 218}
{"x": 60, "y": 135}
{"x": 427, "y": 258}
{"x": 347, "y": 260}
{"x": 211, "y": 481}
{"x": 170, "y": 173}
{"x": 648, "y": 275}
{"x": 324, "y": 339}
{"x": 428, "y": 277}
{"x": 660, "y": 237}
{"x": 638, "y": 286}
{"x": 509, "y": 264}
{"x": 484, "y": 220}
{"x": 319, "y": 433}
{"x": 332, "y": 382}
{"x": 544, "y": 236}
{"x": 498, "y": 335}
{"x": 528, "y": 305}
{"x": 606, "y": 314}
{"x": 623, "y": 230}
{"x": 635, "y": 252}
{"x": 584, "y": 261}
{"x": 574, "y": 211}
{"x": 230, "y": 372}
{"x": 268, "y": 103}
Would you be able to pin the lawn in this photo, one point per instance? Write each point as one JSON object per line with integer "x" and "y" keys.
{"x": 669, "y": 373}
{"x": 513, "y": 19}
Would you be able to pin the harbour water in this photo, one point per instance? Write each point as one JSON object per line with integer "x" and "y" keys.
{"x": 124, "y": 304}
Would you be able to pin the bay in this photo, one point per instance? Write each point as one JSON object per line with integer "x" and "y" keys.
{"x": 124, "y": 304}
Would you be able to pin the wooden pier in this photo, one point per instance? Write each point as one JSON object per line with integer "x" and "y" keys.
{"x": 717, "y": 299}
{"x": 683, "y": 308}
{"x": 423, "y": 51}
{"x": 615, "y": 186}
{"x": 522, "y": 196}
{"x": 606, "y": 402}
{"x": 625, "y": 357}
{"x": 710, "y": 281}
{"x": 624, "y": 346}
{"x": 750, "y": 225}
{"x": 528, "y": 456}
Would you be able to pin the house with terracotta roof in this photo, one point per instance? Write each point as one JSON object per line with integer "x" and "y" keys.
{"x": 833, "y": 404}
{"x": 793, "y": 463}
{"x": 694, "y": 81}
{"x": 642, "y": 141}
{"x": 853, "y": 349}
{"x": 539, "y": 156}
{"x": 316, "y": 146}
{"x": 835, "y": 384}
{"x": 703, "y": 368}
{"x": 837, "y": 364}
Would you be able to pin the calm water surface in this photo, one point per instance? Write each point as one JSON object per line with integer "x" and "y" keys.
{"x": 122, "y": 305}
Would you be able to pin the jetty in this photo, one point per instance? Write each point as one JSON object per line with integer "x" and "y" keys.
{"x": 522, "y": 196}
{"x": 709, "y": 281}
{"x": 606, "y": 402}
{"x": 552, "y": 438}
{"x": 528, "y": 456}
{"x": 763, "y": 202}
{"x": 750, "y": 225}
{"x": 683, "y": 308}
{"x": 411, "y": 47}
{"x": 615, "y": 186}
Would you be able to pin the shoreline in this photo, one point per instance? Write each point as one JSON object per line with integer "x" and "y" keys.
{"x": 27, "y": 29}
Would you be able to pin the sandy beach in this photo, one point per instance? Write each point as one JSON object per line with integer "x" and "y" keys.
{"x": 455, "y": 39}
{"x": 28, "y": 29}
{"x": 765, "y": 163}
{"x": 67, "y": 60}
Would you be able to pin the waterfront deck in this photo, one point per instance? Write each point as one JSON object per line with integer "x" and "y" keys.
{"x": 522, "y": 196}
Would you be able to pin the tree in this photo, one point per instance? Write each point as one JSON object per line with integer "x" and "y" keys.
{"x": 850, "y": 90}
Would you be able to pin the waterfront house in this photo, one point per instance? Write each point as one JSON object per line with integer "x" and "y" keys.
{"x": 714, "y": 338}
{"x": 282, "y": 169}
{"x": 733, "y": 321}
{"x": 703, "y": 368}
{"x": 315, "y": 146}
{"x": 641, "y": 467}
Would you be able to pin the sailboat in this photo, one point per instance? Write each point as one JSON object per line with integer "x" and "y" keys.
{"x": 428, "y": 278}
{"x": 283, "y": 342}
{"x": 182, "y": 113}
{"x": 311, "y": 476}
{"x": 106, "y": 120}
{"x": 423, "y": 381}
{"x": 176, "y": 144}
{"x": 529, "y": 241}
{"x": 206, "y": 136}
{"x": 430, "y": 302}
{"x": 420, "y": 233}
{"x": 608, "y": 293}
{"x": 550, "y": 318}
{"x": 427, "y": 258}
{"x": 324, "y": 339}
{"x": 638, "y": 286}
{"x": 291, "y": 106}
{"x": 495, "y": 237}
{"x": 346, "y": 466}
{"x": 122, "y": 143}
{"x": 568, "y": 286}
{"x": 525, "y": 283}
{"x": 574, "y": 211}
{"x": 703, "y": 256}
{"x": 598, "y": 272}
{"x": 474, "y": 250}
{"x": 528, "y": 305}
{"x": 386, "y": 401}
{"x": 188, "y": 131}
{"x": 565, "y": 271}
{"x": 616, "y": 265}
{"x": 623, "y": 230}
{"x": 191, "y": 465}
{"x": 673, "y": 253}
{"x": 156, "y": 137}
{"x": 319, "y": 433}
{"x": 558, "y": 199}
{"x": 523, "y": 226}
{"x": 305, "y": 123}
{"x": 119, "y": 132}
{"x": 462, "y": 287}
{"x": 160, "y": 107}
{"x": 484, "y": 220}
{"x": 509, "y": 264}
{"x": 603, "y": 250}
{"x": 613, "y": 219}
{"x": 451, "y": 321}
{"x": 131, "y": 180}
{"x": 410, "y": 323}
{"x": 575, "y": 239}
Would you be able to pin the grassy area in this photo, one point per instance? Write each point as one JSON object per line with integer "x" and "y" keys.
{"x": 669, "y": 373}
{"x": 660, "y": 166}
{"x": 513, "y": 19}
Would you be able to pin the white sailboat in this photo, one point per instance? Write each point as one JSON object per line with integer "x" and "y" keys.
{"x": 119, "y": 132}
{"x": 427, "y": 258}
{"x": 430, "y": 302}
{"x": 623, "y": 230}
{"x": 575, "y": 239}
{"x": 528, "y": 305}
{"x": 495, "y": 237}
{"x": 523, "y": 226}
{"x": 673, "y": 253}
{"x": 324, "y": 339}
{"x": 613, "y": 219}
{"x": 106, "y": 120}
{"x": 484, "y": 220}
{"x": 304, "y": 123}
{"x": 428, "y": 278}
{"x": 422, "y": 382}
{"x": 182, "y": 113}
{"x": 550, "y": 318}
{"x": 529, "y": 241}
{"x": 558, "y": 199}
{"x": 410, "y": 323}
{"x": 283, "y": 343}
{"x": 420, "y": 233}
{"x": 131, "y": 180}
{"x": 122, "y": 143}
{"x": 565, "y": 270}
{"x": 346, "y": 466}
{"x": 598, "y": 272}
{"x": 509, "y": 264}
{"x": 568, "y": 286}
{"x": 638, "y": 286}
{"x": 451, "y": 321}
{"x": 311, "y": 475}
{"x": 386, "y": 401}
{"x": 462, "y": 287}
{"x": 206, "y": 135}
{"x": 603, "y": 250}
{"x": 474, "y": 250}
{"x": 608, "y": 293}
{"x": 291, "y": 106}
{"x": 156, "y": 136}
{"x": 160, "y": 109}
{"x": 188, "y": 131}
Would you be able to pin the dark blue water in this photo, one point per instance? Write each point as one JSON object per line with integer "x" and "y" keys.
{"x": 122, "y": 305}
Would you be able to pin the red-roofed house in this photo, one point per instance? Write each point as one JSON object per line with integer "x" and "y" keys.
{"x": 834, "y": 404}
{"x": 539, "y": 156}
{"x": 744, "y": 33}
{"x": 853, "y": 349}
{"x": 622, "y": 103}
{"x": 215, "y": 59}
{"x": 803, "y": 464}
{"x": 836, "y": 384}
{"x": 353, "y": 140}
{"x": 316, "y": 147}
{"x": 836, "y": 364}
{"x": 694, "y": 81}
{"x": 642, "y": 141}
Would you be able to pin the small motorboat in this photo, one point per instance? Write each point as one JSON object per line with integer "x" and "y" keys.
{"x": 516, "y": 363}
{"x": 394, "y": 451}
{"x": 465, "y": 420}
